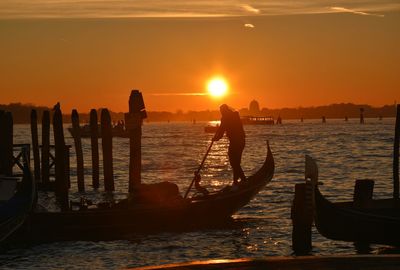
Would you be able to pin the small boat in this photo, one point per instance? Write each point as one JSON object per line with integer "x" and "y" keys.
{"x": 17, "y": 199}
{"x": 257, "y": 120}
{"x": 113, "y": 221}
{"x": 86, "y": 133}
{"x": 377, "y": 222}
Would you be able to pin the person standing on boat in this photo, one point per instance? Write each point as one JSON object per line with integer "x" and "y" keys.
{"x": 232, "y": 125}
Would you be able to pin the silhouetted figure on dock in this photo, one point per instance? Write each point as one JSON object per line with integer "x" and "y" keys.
{"x": 232, "y": 125}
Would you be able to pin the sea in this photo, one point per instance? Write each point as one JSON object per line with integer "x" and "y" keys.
{"x": 345, "y": 151}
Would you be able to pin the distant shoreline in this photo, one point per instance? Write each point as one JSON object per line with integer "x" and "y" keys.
{"x": 21, "y": 113}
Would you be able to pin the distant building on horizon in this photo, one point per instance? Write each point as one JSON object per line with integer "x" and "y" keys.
{"x": 254, "y": 108}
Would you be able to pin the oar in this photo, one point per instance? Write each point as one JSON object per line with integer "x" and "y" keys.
{"x": 199, "y": 168}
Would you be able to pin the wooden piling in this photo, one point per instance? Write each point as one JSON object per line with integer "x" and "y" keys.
{"x": 35, "y": 145}
{"x": 396, "y": 155}
{"x": 363, "y": 191}
{"x": 6, "y": 143}
{"x": 106, "y": 143}
{"x": 61, "y": 185}
{"x": 78, "y": 150}
{"x": 45, "y": 148}
{"x": 8, "y": 150}
{"x": 302, "y": 218}
{"x": 362, "y": 116}
{"x": 133, "y": 122}
{"x": 94, "y": 142}
{"x": 2, "y": 141}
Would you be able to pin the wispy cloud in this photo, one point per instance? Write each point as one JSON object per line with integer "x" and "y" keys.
{"x": 250, "y": 9}
{"x": 347, "y": 10}
{"x": 186, "y": 8}
{"x": 177, "y": 94}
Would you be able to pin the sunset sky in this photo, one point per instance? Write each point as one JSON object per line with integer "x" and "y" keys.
{"x": 91, "y": 53}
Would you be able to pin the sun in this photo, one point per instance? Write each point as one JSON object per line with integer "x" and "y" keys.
{"x": 217, "y": 87}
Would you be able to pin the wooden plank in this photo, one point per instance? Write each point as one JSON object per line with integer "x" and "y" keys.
{"x": 94, "y": 142}
{"x": 78, "y": 150}
{"x": 106, "y": 143}
{"x": 9, "y": 147}
{"x": 351, "y": 262}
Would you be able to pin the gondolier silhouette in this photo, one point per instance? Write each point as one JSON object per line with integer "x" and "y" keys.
{"x": 232, "y": 125}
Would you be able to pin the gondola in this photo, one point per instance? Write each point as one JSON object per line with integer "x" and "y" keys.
{"x": 15, "y": 210}
{"x": 117, "y": 220}
{"x": 378, "y": 222}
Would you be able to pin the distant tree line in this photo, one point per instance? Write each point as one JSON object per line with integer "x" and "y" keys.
{"x": 21, "y": 113}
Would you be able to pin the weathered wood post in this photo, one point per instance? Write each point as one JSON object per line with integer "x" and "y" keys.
{"x": 61, "y": 184}
{"x": 362, "y": 116}
{"x": 94, "y": 142}
{"x": 106, "y": 143}
{"x": 133, "y": 122}
{"x": 9, "y": 154}
{"x": 363, "y": 191}
{"x": 78, "y": 149}
{"x": 302, "y": 219}
{"x": 45, "y": 147}
{"x": 35, "y": 145}
{"x": 6, "y": 143}
{"x": 396, "y": 155}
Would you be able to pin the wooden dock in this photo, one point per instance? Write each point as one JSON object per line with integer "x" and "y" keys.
{"x": 350, "y": 262}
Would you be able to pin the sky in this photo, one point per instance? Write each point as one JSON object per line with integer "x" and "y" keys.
{"x": 91, "y": 53}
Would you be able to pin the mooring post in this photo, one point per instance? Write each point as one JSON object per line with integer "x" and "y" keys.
{"x": 106, "y": 143}
{"x": 9, "y": 147}
{"x": 45, "y": 147}
{"x": 78, "y": 149}
{"x": 2, "y": 141}
{"x": 94, "y": 142}
{"x": 6, "y": 143}
{"x": 302, "y": 219}
{"x": 61, "y": 185}
{"x": 363, "y": 191}
{"x": 362, "y": 116}
{"x": 35, "y": 145}
{"x": 396, "y": 155}
{"x": 133, "y": 122}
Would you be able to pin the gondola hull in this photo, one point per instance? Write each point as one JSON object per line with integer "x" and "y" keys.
{"x": 123, "y": 219}
{"x": 343, "y": 221}
{"x": 15, "y": 211}
{"x": 377, "y": 222}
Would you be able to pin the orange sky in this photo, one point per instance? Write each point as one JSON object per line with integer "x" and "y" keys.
{"x": 284, "y": 61}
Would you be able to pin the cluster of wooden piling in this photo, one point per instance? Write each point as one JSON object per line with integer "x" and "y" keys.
{"x": 44, "y": 161}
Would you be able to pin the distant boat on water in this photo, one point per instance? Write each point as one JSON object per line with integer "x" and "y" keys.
{"x": 257, "y": 120}
{"x": 85, "y": 132}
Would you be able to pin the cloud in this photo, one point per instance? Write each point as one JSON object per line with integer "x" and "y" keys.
{"x": 249, "y": 25}
{"x": 250, "y": 9}
{"x": 177, "y": 94}
{"x": 347, "y": 10}
{"x": 186, "y": 8}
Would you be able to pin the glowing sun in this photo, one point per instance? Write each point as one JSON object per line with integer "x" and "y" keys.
{"x": 217, "y": 87}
